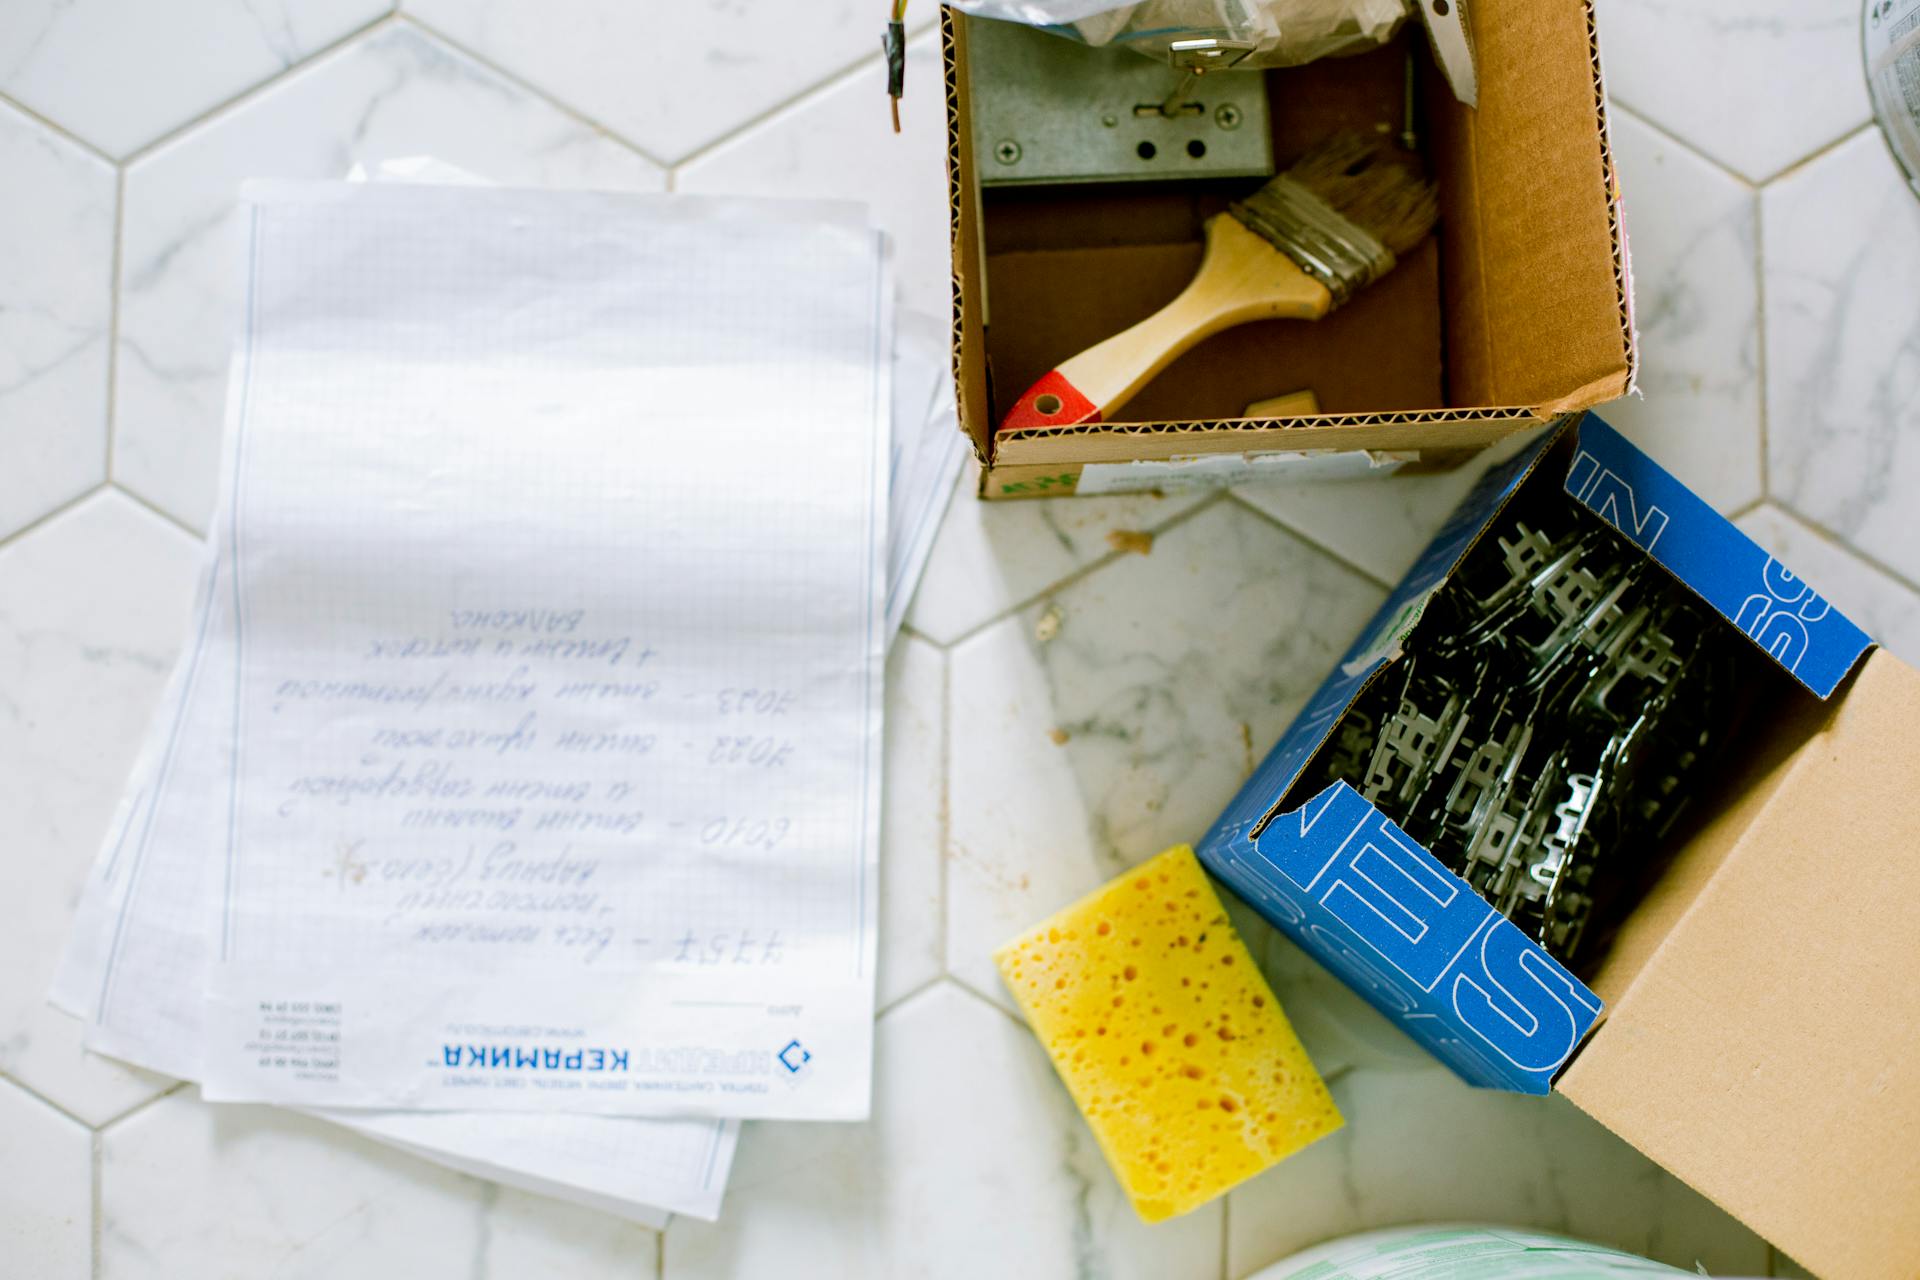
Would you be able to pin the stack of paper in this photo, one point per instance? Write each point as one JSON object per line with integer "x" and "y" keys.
{"x": 516, "y": 798}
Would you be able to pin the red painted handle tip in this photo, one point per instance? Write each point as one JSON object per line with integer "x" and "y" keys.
{"x": 1050, "y": 402}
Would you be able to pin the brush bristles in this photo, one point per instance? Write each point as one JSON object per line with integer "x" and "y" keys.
{"x": 1368, "y": 182}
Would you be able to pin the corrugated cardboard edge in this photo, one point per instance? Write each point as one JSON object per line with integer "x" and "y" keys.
{"x": 1616, "y": 232}
{"x": 1767, "y": 1050}
{"x": 957, "y": 184}
{"x": 988, "y": 448}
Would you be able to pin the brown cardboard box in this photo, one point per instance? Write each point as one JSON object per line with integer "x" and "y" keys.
{"x": 1517, "y": 313}
{"x": 1756, "y": 1029}
{"x": 1762, "y": 1039}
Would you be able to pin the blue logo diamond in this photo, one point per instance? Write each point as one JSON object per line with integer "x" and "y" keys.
{"x": 794, "y": 1057}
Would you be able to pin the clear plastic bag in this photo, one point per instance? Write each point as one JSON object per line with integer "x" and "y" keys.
{"x": 1283, "y": 33}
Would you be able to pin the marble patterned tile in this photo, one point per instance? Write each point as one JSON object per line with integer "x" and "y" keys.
{"x": 1756, "y": 84}
{"x": 522, "y": 1236}
{"x": 121, "y": 73}
{"x": 46, "y": 1190}
{"x": 975, "y": 1164}
{"x": 992, "y": 556}
{"x": 56, "y": 259}
{"x": 189, "y": 1189}
{"x": 1888, "y": 609}
{"x": 93, "y": 607}
{"x": 1119, "y": 715}
{"x": 1842, "y": 241}
{"x": 913, "y": 802}
{"x": 671, "y": 78}
{"x": 1420, "y": 1146}
{"x": 839, "y": 144}
{"x": 1378, "y": 525}
{"x": 1692, "y": 229}
{"x": 396, "y": 93}
{"x": 1342, "y": 1032}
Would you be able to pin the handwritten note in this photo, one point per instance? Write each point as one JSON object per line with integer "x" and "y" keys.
{"x": 556, "y": 530}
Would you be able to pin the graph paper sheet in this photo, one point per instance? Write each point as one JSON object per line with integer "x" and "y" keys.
{"x": 556, "y": 527}
{"x": 136, "y": 970}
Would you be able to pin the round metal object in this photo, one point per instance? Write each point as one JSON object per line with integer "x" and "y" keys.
{"x": 1007, "y": 152}
{"x": 1227, "y": 116}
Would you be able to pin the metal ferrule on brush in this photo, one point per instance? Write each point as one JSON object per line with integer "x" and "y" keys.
{"x": 1328, "y": 247}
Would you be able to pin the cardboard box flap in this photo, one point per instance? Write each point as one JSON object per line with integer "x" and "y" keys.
{"x": 1768, "y": 1052}
{"x": 1808, "y": 637}
{"x": 969, "y": 270}
{"x": 1378, "y": 645}
{"x": 1412, "y": 938}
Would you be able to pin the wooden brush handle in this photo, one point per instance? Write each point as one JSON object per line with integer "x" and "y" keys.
{"x": 1242, "y": 278}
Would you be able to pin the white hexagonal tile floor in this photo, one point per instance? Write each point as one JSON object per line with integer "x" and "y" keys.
{"x": 93, "y": 605}
{"x": 1119, "y": 715}
{"x": 975, "y": 1163}
{"x": 395, "y": 94}
{"x": 56, "y": 257}
{"x": 192, "y": 1190}
{"x": 1756, "y": 84}
{"x": 1696, "y": 304}
{"x": 838, "y": 143}
{"x": 670, "y": 78}
{"x": 46, "y": 1189}
{"x": 1061, "y": 706}
{"x": 121, "y": 73}
{"x": 1843, "y": 349}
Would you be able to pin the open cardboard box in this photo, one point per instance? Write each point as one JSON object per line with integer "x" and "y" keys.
{"x": 1516, "y": 313}
{"x": 1754, "y": 1026}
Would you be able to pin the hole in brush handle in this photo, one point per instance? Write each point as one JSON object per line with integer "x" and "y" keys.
{"x": 1050, "y": 402}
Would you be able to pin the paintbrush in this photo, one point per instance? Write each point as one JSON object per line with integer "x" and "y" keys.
{"x": 1295, "y": 249}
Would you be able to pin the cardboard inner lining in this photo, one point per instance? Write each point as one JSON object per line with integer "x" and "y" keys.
{"x": 1778, "y": 719}
{"x": 1517, "y": 304}
{"x": 1778, "y": 1010}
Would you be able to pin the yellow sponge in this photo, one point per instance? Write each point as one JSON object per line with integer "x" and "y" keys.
{"x": 1168, "y": 1036}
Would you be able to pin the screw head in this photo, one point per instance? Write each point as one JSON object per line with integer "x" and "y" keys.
{"x": 1007, "y": 151}
{"x": 1227, "y": 116}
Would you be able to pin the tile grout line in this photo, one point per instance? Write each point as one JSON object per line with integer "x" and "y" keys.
{"x": 1820, "y": 153}
{"x": 113, "y": 317}
{"x": 1673, "y": 139}
{"x": 49, "y": 516}
{"x": 793, "y": 102}
{"x": 1302, "y": 536}
{"x": 408, "y": 19}
{"x": 1084, "y": 571}
{"x": 1226, "y": 1236}
{"x": 97, "y": 1228}
{"x": 1616, "y": 100}
{"x": 1840, "y": 543}
{"x": 963, "y": 986}
{"x": 1765, "y": 420}
{"x": 252, "y": 92}
{"x": 946, "y": 809}
{"x": 48, "y": 1102}
{"x": 176, "y": 1087}
{"x": 907, "y": 631}
{"x": 57, "y": 129}
{"x": 907, "y": 997}
{"x": 156, "y": 509}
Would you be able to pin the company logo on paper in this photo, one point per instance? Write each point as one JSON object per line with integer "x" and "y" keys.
{"x": 532, "y": 1058}
{"x": 795, "y": 1058}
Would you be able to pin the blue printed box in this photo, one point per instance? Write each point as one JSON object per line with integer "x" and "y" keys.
{"x": 1350, "y": 887}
